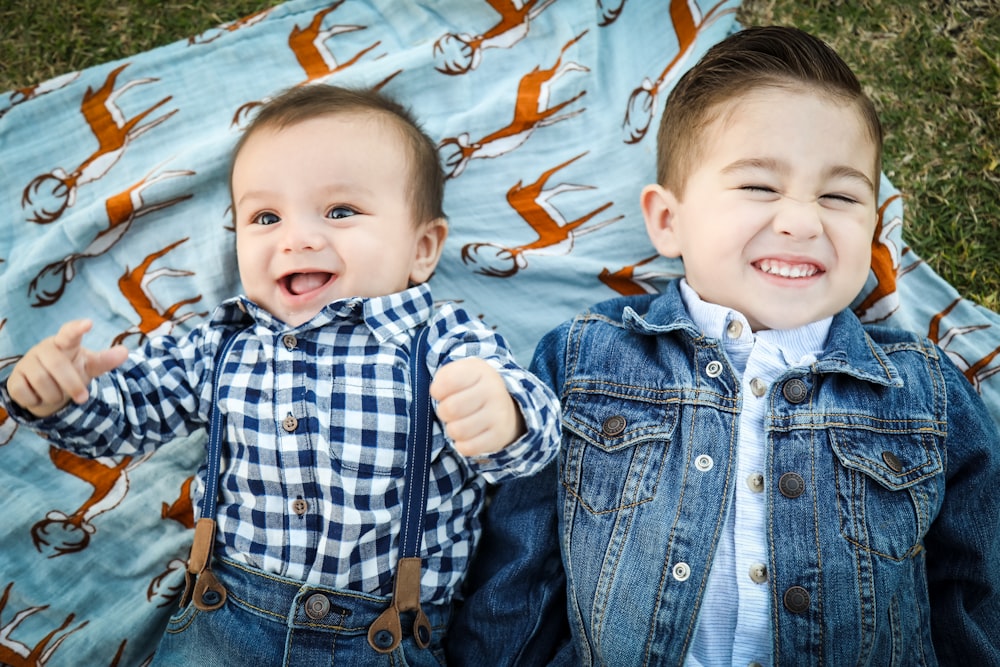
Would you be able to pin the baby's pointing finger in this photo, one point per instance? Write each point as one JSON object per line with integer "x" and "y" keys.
{"x": 70, "y": 335}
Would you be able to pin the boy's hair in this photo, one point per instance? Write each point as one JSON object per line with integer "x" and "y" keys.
{"x": 755, "y": 57}
{"x": 303, "y": 103}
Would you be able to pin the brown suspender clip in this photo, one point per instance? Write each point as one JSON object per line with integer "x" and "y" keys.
{"x": 200, "y": 583}
{"x": 386, "y": 632}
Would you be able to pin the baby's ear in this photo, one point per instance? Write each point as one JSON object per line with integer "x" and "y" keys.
{"x": 430, "y": 244}
{"x": 659, "y": 207}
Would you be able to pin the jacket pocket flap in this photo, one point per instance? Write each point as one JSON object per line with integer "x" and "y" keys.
{"x": 895, "y": 461}
{"x": 611, "y": 419}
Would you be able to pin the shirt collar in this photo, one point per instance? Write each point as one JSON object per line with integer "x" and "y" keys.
{"x": 800, "y": 346}
{"x": 386, "y": 316}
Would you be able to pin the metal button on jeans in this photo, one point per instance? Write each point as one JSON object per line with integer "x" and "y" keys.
{"x": 613, "y": 426}
{"x": 791, "y": 485}
{"x": 317, "y": 605}
{"x": 713, "y": 369}
{"x": 704, "y": 463}
{"x": 681, "y": 571}
{"x": 796, "y": 599}
{"x": 795, "y": 390}
{"x": 892, "y": 461}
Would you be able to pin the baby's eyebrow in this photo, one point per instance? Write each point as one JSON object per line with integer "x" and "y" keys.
{"x": 843, "y": 171}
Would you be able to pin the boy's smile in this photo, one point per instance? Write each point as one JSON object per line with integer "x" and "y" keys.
{"x": 323, "y": 212}
{"x": 777, "y": 216}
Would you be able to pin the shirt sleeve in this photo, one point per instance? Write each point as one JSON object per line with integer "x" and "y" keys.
{"x": 161, "y": 392}
{"x": 457, "y": 336}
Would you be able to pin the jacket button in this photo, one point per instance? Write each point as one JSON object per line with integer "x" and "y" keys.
{"x": 796, "y": 599}
{"x": 317, "y": 606}
{"x": 892, "y": 461}
{"x": 681, "y": 571}
{"x": 704, "y": 463}
{"x": 713, "y": 369}
{"x": 289, "y": 423}
{"x": 795, "y": 390}
{"x": 791, "y": 485}
{"x": 613, "y": 426}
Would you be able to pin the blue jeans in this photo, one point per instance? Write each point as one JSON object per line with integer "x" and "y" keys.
{"x": 264, "y": 622}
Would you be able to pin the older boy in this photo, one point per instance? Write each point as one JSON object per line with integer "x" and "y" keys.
{"x": 749, "y": 475}
{"x": 337, "y": 199}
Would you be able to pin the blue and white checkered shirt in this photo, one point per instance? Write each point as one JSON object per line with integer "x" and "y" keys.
{"x": 316, "y": 427}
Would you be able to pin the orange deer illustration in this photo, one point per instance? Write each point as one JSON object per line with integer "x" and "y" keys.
{"x": 168, "y": 584}
{"x": 883, "y": 300}
{"x": 154, "y": 319}
{"x": 60, "y": 533}
{"x": 113, "y": 133}
{"x": 213, "y": 34}
{"x": 123, "y": 209}
{"x": 22, "y": 95}
{"x": 975, "y": 372}
{"x": 627, "y": 281}
{"x": 461, "y": 53}
{"x": 14, "y": 653}
{"x": 555, "y": 235}
{"x": 686, "y": 20}
{"x": 532, "y": 110}
{"x": 313, "y": 54}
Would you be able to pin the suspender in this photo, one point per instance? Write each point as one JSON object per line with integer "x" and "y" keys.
{"x": 385, "y": 634}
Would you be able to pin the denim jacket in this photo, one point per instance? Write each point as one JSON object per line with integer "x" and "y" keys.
{"x": 883, "y": 501}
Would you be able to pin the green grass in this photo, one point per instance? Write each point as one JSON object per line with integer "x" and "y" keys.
{"x": 932, "y": 68}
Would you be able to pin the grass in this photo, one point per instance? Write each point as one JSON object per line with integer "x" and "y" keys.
{"x": 933, "y": 71}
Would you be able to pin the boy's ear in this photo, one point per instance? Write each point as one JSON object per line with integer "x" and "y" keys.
{"x": 430, "y": 243}
{"x": 659, "y": 209}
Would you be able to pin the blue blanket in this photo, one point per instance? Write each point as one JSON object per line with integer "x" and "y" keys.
{"x": 116, "y": 208}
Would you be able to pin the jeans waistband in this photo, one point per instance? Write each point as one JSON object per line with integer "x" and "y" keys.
{"x": 299, "y": 605}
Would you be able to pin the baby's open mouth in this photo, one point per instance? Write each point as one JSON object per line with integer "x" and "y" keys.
{"x": 303, "y": 283}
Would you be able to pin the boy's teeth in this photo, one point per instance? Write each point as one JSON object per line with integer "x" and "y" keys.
{"x": 787, "y": 270}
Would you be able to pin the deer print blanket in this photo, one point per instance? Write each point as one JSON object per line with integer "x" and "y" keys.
{"x": 116, "y": 208}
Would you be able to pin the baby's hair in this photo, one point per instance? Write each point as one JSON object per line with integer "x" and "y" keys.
{"x": 302, "y": 103}
{"x": 753, "y": 58}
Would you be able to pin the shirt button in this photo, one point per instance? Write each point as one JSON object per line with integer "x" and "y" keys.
{"x": 758, "y": 387}
{"x": 795, "y": 390}
{"x": 734, "y": 329}
{"x": 681, "y": 571}
{"x": 758, "y": 573}
{"x": 796, "y": 599}
{"x": 317, "y": 606}
{"x": 713, "y": 369}
{"x": 754, "y": 664}
{"x": 704, "y": 463}
{"x": 289, "y": 423}
{"x": 289, "y": 341}
{"x": 300, "y": 506}
{"x": 791, "y": 485}
{"x": 613, "y": 426}
{"x": 756, "y": 482}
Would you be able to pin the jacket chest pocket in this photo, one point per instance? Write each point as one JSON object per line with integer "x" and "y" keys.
{"x": 613, "y": 449}
{"x": 889, "y": 489}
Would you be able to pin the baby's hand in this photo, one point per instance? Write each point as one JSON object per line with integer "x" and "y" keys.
{"x": 478, "y": 412}
{"x": 59, "y": 369}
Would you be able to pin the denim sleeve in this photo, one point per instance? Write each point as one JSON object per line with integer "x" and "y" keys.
{"x": 963, "y": 545}
{"x": 514, "y": 610}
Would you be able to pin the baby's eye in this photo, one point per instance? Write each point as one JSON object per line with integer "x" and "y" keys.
{"x": 266, "y": 218}
{"x": 339, "y": 212}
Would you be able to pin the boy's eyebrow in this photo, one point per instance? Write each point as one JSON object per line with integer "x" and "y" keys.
{"x": 770, "y": 164}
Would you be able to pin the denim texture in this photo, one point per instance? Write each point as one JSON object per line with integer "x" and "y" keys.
{"x": 264, "y": 623}
{"x": 887, "y": 555}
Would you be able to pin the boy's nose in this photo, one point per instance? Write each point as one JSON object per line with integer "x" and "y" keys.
{"x": 798, "y": 219}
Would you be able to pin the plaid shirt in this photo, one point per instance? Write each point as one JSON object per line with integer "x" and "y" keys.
{"x": 316, "y": 428}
